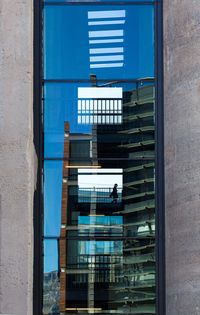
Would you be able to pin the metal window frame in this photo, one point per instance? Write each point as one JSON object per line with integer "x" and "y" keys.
{"x": 122, "y": 2}
{"x": 159, "y": 137}
{"x": 38, "y": 142}
{"x": 159, "y": 162}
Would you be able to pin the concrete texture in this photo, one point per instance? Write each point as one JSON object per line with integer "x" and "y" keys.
{"x": 16, "y": 157}
{"x": 182, "y": 155}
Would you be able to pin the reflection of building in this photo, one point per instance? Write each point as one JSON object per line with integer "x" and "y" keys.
{"x": 107, "y": 260}
{"x": 139, "y": 202}
{"x": 133, "y": 144}
{"x": 64, "y": 212}
{"x": 99, "y": 106}
{"x": 76, "y": 146}
{"x": 83, "y": 280}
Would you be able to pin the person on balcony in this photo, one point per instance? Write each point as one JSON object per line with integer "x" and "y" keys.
{"x": 114, "y": 194}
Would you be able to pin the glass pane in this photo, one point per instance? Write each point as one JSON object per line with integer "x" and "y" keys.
{"x": 51, "y": 280}
{"x": 67, "y": 185}
{"x": 77, "y": 113}
{"x": 53, "y": 173}
{"x": 99, "y": 169}
{"x": 112, "y": 41}
{"x": 100, "y": 203}
{"x": 107, "y": 207}
{"x": 101, "y": 277}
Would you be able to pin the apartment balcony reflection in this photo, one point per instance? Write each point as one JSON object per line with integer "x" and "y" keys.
{"x": 97, "y": 195}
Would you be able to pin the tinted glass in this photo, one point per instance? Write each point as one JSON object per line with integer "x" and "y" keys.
{"x": 109, "y": 41}
{"x": 102, "y": 235}
{"x": 64, "y": 103}
{"x": 99, "y": 158}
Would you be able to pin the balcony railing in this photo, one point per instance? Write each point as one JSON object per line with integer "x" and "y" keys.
{"x": 97, "y": 195}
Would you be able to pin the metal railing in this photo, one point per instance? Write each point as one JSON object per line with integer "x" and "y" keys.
{"x": 97, "y": 195}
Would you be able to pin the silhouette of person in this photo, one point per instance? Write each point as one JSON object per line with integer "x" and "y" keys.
{"x": 114, "y": 194}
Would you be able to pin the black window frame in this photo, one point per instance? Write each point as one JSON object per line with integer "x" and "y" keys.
{"x": 39, "y": 147}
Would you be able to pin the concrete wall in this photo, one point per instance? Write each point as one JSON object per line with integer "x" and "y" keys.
{"x": 16, "y": 156}
{"x": 182, "y": 154}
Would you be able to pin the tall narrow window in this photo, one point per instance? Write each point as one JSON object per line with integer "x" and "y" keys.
{"x": 99, "y": 157}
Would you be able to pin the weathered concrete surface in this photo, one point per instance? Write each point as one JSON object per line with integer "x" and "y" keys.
{"x": 182, "y": 155}
{"x": 16, "y": 156}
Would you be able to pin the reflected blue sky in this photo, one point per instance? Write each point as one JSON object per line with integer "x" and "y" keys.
{"x": 50, "y": 255}
{"x": 52, "y": 197}
{"x": 66, "y": 37}
{"x": 61, "y": 103}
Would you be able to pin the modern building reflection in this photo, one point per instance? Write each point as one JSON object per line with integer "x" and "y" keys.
{"x": 106, "y": 248}
{"x": 138, "y": 276}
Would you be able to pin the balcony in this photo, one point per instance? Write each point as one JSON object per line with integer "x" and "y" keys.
{"x": 97, "y": 195}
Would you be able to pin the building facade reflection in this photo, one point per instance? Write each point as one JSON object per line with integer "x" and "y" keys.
{"x": 107, "y": 260}
{"x": 99, "y": 157}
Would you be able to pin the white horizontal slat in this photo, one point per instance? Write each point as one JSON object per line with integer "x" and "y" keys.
{"x": 106, "y": 41}
{"x": 107, "y": 33}
{"x": 110, "y": 50}
{"x": 111, "y": 22}
{"x": 106, "y": 14}
{"x": 103, "y": 93}
{"x": 107, "y": 58}
{"x": 106, "y": 65}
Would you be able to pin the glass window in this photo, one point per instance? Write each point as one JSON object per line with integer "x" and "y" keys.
{"x": 109, "y": 41}
{"x": 99, "y": 158}
{"x": 79, "y": 108}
